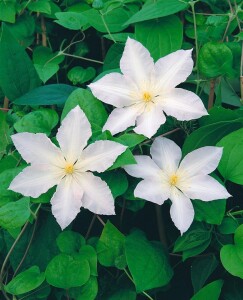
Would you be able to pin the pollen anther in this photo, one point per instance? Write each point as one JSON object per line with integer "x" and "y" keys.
{"x": 69, "y": 168}
{"x": 173, "y": 179}
{"x": 147, "y": 97}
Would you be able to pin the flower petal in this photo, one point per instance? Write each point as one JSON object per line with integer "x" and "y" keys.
{"x": 166, "y": 154}
{"x": 122, "y": 118}
{"x": 181, "y": 211}
{"x": 145, "y": 168}
{"x": 37, "y": 148}
{"x": 205, "y": 188}
{"x": 97, "y": 195}
{"x": 201, "y": 161}
{"x": 36, "y": 180}
{"x": 149, "y": 121}
{"x": 136, "y": 62}
{"x": 113, "y": 89}
{"x": 152, "y": 190}
{"x": 173, "y": 68}
{"x": 99, "y": 156}
{"x": 67, "y": 201}
{"x": 73, "y": 134}
{"x": 183, "y": 105}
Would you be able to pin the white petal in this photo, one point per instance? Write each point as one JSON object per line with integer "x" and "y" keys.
{"x": 201, "y": 161}
{"x": 183, "y": 105}
{"x": 166, "y": 154}
{"x": 97, "y": 195}
{"x": 122, "y": 118}
{"x": 37, "y": 148}
{"x": 67, "y": 201}
{"x": 145, "y": 168}
{"x": 205, "y": 188}
{"x": 73, "y": 134}
{"x": 173, "y": 69}
{"x": 36, "y": 180}
{"x": 181, "y": 211}
{"x": 113, "y": 89}
{"x": 152, "y": 190}
{"x": 136, "y": 62}
{"x": 149, "y": 121}
{"x": 99, "y": 156}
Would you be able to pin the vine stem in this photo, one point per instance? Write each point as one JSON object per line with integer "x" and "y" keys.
{"x": 107, "y": 28}
{"x": 129, "y": 276}
{"x": 239, "y": 212}
{"x": 90, "y": 227}
{"x": 192, "y": 3}
{"x": 211, "y": 93}
{"x": 160, "y": 225}
{"x": 10, "y": 252}
{"x": 101, "y": 221}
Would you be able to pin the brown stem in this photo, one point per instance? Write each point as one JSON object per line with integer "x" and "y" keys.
{"x": 5, "y": 103}
{"x": 160, "y": 225}
{"x": 211, "y": 93}
{"x": 43, "y": 30}
{"x": 90, "y": 227}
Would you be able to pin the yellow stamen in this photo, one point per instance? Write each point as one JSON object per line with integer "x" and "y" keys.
{"x": 173, "y": 179}
{"x": 69, "y": 168}
{"x": 147, "y": 97}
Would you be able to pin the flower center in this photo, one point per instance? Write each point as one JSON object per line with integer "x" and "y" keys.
{"x": 147, "y": 97}
{"x": 173, "y": 179}
{"x": 69, "y": 168}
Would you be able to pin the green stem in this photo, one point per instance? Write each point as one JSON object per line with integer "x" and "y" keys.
{"x": 107, "y": 28}
{"x": 239, "y": 212}
{"x": 129, "y": 276}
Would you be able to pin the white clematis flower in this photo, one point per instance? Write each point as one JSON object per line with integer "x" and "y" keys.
{"x": 146, "y": 90}
{"x": 164, "y": 176}
{"x": 67, "y": 167}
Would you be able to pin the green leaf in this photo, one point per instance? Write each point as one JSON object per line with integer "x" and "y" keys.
{"x": 112, "y": 58}
{"x": 211, "y": 212}
{"x": 117, "y": 182}
{"x": 239, "y": 241}
{"x": 147, "y": 262}
{"x": 40, "y": 6}
{"x": 131, "y": 139}
{"x": 156, "y": 9}
{"x": 23, "y": 30}
{"x": 6, "y": 178}
{"x": 212, "y": 289}
{"x": 93, "y": 108}
{"x": 25, "y": 281}
{"x": 88, "y": 252}
{"x": 71, "y": 20}
{"x": 228, "y": 225}
{"x": 46, "y": 95}
{"x": 231, "y": 260}
{"x": 43, "y": 120}
{"x": 216, "y": 128}
{"x": 79, "y": 75}
{"x": 161, "y": 36}
{"x": 201, "y": 269}
{"x": 7, "y": 10}
{"x": 46, "y": 63}
{"x": 110, "y": 246}
{"x": 66, "y": 271}
{"x": 113, "y": 19}
{"x": 88, "y": 291}
{"x": 196, "y": 250}
{"x": 43, "y": 247}
{"x": 215, "y": 59}
{"x": 126, "y": 158}
{"x": 21, "y": 76}
{"x": 15, "y": 214}
{"x": 195, "y": 236}
{"x": 4, "y": 135}
{"x": 70, "y": 242}
{"x": 231, "y": 163}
